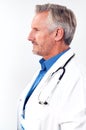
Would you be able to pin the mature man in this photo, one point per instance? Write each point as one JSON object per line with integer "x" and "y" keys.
{"x": 55, "y": 98}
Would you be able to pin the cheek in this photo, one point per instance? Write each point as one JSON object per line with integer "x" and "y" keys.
{"x": 44, "y": 40}
{"x": 40, "y": 37}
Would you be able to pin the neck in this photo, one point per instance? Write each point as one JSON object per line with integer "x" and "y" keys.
{"x": 56, "y": 51}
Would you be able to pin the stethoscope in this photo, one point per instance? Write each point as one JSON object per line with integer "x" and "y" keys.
{"x": 62, "y": 69}
{"x": 45, "y": 101}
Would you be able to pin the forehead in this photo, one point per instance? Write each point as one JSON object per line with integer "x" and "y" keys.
{"x": 40, "y": 19}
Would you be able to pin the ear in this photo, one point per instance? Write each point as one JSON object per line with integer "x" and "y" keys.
{"x": 59, "y": 34}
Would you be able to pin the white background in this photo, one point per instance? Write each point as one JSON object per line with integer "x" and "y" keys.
{"x": 17, "y": 62}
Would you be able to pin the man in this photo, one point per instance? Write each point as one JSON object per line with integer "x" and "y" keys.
{"x": 55, "y": 98}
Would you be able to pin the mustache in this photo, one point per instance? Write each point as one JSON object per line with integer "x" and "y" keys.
{"x": 34, "y": 43}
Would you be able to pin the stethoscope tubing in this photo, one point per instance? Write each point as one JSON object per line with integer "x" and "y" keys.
{"x": 63, "y": 68}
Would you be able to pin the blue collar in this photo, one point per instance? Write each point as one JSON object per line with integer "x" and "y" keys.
{"x": 46, "y": 64}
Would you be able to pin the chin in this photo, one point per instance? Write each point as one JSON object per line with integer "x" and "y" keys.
{"x": 36, "y": 53}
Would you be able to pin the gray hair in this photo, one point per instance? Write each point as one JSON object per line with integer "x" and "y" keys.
{"x": 60, "y": 16}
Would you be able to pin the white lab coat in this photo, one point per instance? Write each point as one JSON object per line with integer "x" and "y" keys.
{"x": 66, "y": 108}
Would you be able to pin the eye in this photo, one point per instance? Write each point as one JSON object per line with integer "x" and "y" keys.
{"x": 36, "y": 29}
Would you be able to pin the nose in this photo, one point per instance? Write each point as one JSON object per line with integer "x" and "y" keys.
{"x": 30, "y": 36}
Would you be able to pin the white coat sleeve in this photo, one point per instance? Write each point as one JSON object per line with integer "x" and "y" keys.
{"x": 79, "y": 120}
